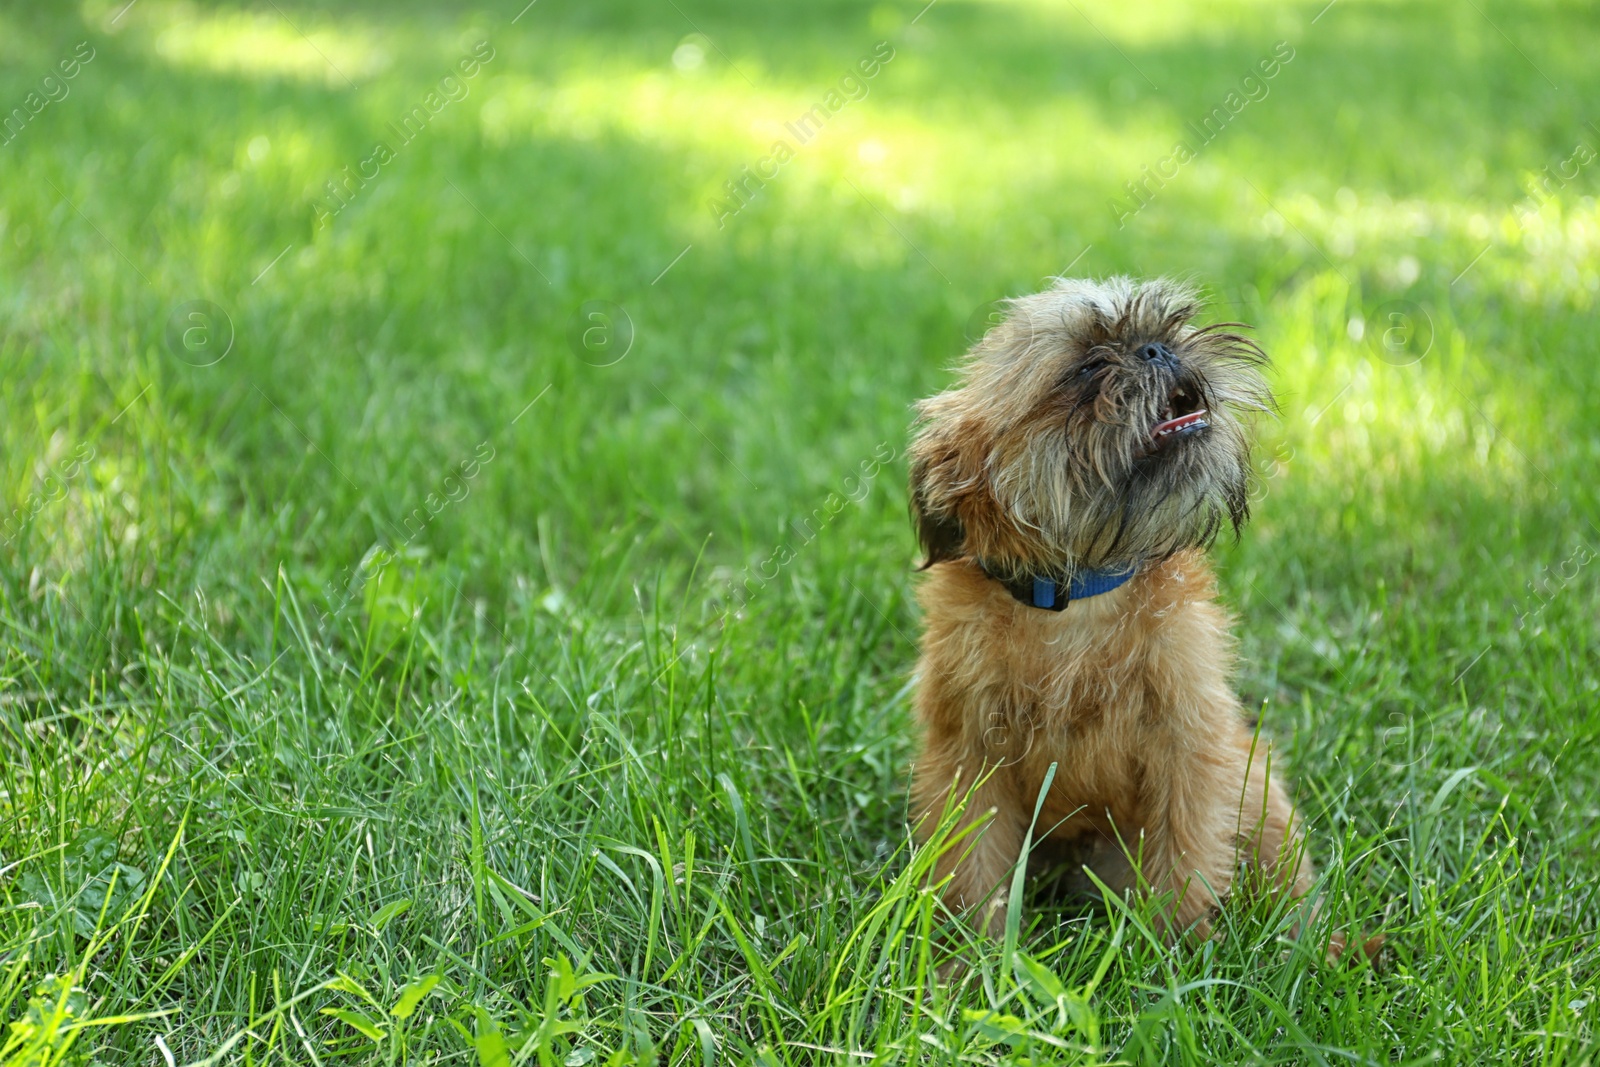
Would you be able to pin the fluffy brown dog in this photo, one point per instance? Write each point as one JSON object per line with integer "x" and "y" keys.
{"x": 1064, "y": 492}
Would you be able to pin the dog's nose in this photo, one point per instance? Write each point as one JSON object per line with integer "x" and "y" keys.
{"x": 1160, "y": 355}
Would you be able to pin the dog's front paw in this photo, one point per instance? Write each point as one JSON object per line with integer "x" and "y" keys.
{"x": 1366, "y": 951}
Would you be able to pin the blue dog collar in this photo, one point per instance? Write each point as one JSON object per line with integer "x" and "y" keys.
{"x": 1037, "y": 591}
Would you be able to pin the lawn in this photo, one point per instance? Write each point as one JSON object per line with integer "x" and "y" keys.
{"x": 455, "y": 581}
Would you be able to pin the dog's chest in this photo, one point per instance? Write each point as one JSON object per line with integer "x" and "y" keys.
{"x": 1094, "y": 692}
{"x": 1057, "y": 698}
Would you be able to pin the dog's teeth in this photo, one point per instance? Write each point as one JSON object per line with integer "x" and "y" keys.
{"x": 1170, "y": 426}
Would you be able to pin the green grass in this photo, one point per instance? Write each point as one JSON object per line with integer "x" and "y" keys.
{"x": 610, "y": 738}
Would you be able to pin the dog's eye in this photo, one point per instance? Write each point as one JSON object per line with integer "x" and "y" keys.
{"x": 1090, "y": 368}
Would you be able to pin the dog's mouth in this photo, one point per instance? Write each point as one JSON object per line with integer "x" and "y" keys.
{"x": 1182, "y": 417}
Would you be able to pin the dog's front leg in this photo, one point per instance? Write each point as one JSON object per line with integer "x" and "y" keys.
{"x": 978, "y": 853}
{"x": 1186, "y": 852}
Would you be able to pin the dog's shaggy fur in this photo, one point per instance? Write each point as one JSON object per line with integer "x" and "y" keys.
{"x": 1042, "y": 462}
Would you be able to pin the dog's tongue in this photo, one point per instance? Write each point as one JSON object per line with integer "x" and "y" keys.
{"x": 1182, "y": 422}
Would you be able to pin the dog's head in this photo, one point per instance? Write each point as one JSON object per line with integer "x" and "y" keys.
{"x": 1095, "y": 426}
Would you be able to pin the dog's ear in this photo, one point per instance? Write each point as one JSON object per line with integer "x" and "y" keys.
{"x": 938, "y": 530}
